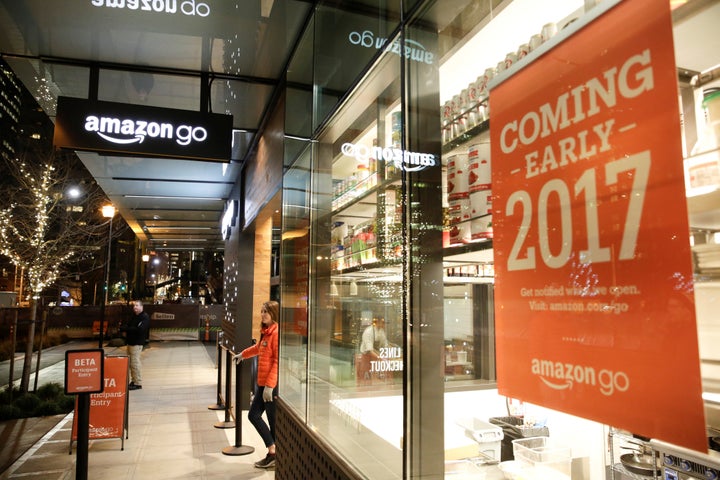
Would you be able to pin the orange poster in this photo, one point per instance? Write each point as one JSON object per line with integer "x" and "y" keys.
{"x": 594, "y": 289}
{"x": 108, "y": 410}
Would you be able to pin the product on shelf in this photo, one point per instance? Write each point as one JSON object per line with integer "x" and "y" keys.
{"x": 479, "y": 185}
{"x": 482, "y": 82}
{"x": 469, "y": 108}
{"x": 481, "y": 228}
{"x": 479, "y": 173}
{"x": 548, "y": 31}
{"x": 446, "y": 114}
{"x": 480, "y": 203}
{"x": 459, "y": 212}
{"x": 457, "y": 175}
{"x": 511, "y": 58}
{"x": 523, "y": 50}
{"x": 702, "y": 167}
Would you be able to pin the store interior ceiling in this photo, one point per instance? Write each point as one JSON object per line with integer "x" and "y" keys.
{"x": 242, "y": 48}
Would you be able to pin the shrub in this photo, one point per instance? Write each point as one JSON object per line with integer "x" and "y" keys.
{"x": 47, "y": 408}
{"x": 49, "y": 399}
{"x": 9, "y": 412}
{"x": 27, "y": 402}
{"x": 7, "y": 395}
{"x": 67, "y": 403}
{"x": 50, "y": 391}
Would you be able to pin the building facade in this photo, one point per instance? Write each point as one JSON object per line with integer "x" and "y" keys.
{"x": 397, "y": 355}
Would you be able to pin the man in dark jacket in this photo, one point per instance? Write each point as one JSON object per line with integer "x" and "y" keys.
{"x": 135, "y": 334}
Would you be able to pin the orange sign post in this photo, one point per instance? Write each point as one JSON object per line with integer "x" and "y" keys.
{"x": 108, "y": 410}
{"x": 594, "y": 292}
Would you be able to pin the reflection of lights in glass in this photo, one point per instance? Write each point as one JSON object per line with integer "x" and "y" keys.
{"x": 385, "y": 289}
{"x": 108, "y": 211}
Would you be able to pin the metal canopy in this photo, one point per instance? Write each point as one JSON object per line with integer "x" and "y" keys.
{"x": 221, "y": 56}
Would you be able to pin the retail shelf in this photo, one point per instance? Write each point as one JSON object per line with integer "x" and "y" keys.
{"x": 470, "y": 134}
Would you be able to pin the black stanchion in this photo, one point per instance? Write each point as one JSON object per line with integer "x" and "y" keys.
{"x": 219, "y": 405}
{"x": 83, "y": 436}
{"x": 228, "y": 383}
{"x": 13, "y": 343}
{"x": 238, "y": 448}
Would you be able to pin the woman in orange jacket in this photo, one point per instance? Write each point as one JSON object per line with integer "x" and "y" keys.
{"x": 267, "y": 373}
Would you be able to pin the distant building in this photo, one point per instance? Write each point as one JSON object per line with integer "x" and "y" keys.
{"x": 10, "y": 102}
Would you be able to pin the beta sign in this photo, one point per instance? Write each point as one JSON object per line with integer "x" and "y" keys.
{"x": 84, "y": 370}
{"x": 594, "y": 291}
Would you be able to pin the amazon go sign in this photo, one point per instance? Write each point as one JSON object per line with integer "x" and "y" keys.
{"x": 115, "y": 128}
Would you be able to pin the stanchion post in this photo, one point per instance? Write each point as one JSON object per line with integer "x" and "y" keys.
{"x": 228, "y": 384}
{"x": 219, "y": 405}
{"x": 13, "y": 343}
{"x": 238, "y": 448}
{"x": 83, "y": 436}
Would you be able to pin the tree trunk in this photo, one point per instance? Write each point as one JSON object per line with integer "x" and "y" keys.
{"x": 27, "y": 362}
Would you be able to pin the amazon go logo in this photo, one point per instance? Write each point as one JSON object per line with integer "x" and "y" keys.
{"x": 128, "y": 131}
{"x": 188, "y": 7}
{"x": 561, "y": 376}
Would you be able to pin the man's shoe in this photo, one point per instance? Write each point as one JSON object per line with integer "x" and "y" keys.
{"x": 267, "y": 462}
{"x": 132, "y": 386}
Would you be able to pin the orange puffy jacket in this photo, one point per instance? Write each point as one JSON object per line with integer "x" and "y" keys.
{"x": 267, "y": 352}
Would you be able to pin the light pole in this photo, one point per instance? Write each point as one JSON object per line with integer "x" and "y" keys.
{"x": 108, "y": 211}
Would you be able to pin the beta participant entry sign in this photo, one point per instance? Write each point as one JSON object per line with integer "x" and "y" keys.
{"x": 594, "y": 291}
{"x": 84, "y": 370}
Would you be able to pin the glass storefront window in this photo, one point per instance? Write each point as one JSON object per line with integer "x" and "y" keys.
{"x": 471, "y": 56}
{"x": 355, "y": 340}
{"x": 294, "y": 248}
{"x": 404, "y": 260}
{"x": 347, "y": 36}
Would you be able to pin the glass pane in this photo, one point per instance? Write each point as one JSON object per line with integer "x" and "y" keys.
{"x": 356, "y": 339}
{"x": 299, "y": 92}
{"x": 475, "y": 42}
{"x": 152, "y": 89}
{"x": 294, "y": 287}
{"x": 472, "y": 38}
{"x": 347, "y": 37}
{"x": 245, "y": 101}
{"x": 71, "y": 80}
{"x": 47, "y": 81}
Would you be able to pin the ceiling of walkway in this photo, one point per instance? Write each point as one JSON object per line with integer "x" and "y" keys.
{"x": 162, "y": 53}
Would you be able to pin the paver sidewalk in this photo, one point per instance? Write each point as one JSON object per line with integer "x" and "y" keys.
{"x": 171, "y": 430}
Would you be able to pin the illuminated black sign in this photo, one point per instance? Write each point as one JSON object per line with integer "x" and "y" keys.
{"x": 118, "y": 128}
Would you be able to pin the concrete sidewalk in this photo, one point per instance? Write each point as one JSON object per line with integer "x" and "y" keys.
{"x": 171, "y": 431}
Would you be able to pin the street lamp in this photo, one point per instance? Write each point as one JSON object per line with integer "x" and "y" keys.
{"x": 108, "y": 211}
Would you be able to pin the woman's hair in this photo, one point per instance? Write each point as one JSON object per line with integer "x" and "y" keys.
{"x": 273, "y": 309}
